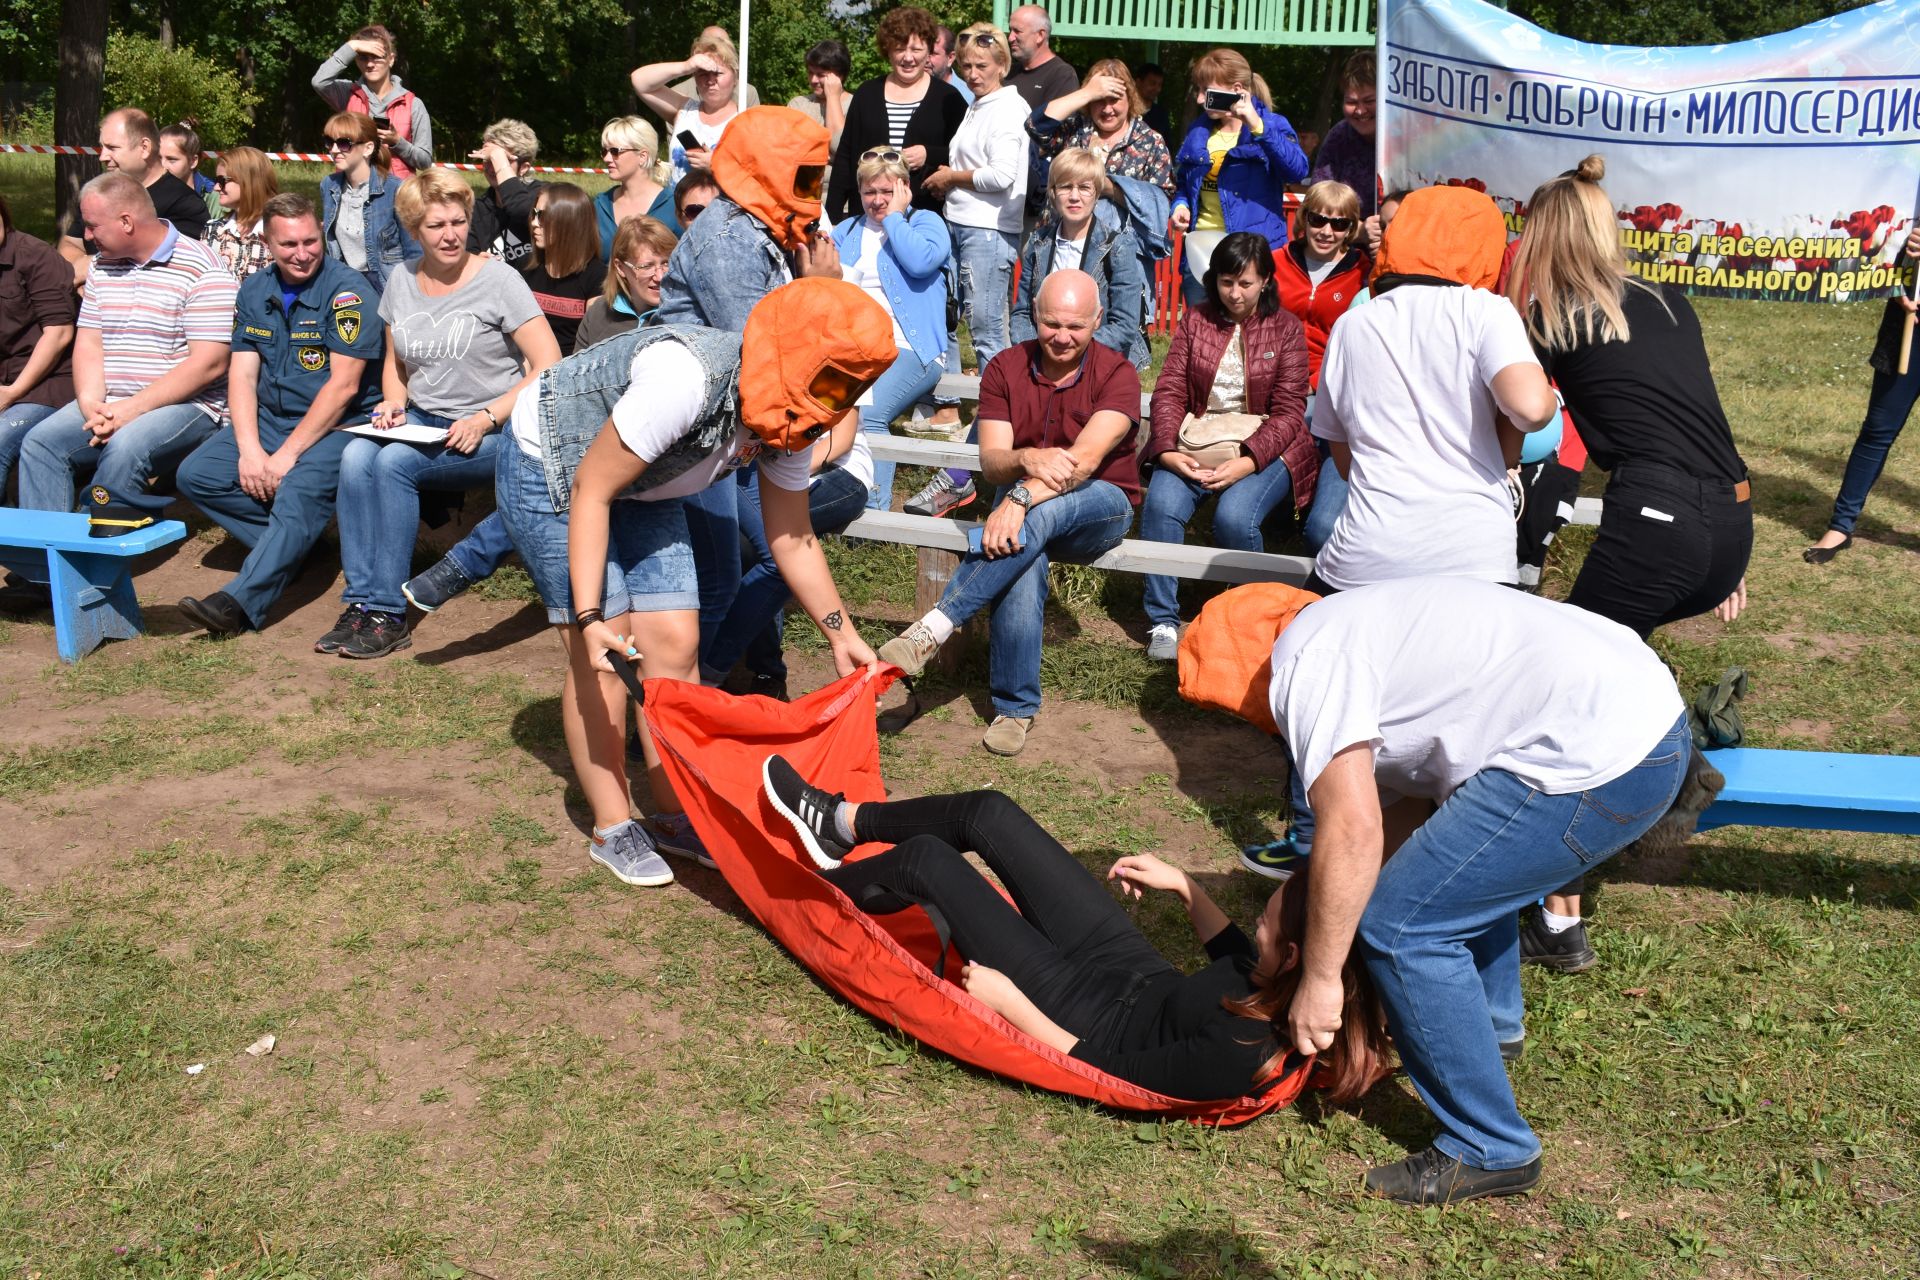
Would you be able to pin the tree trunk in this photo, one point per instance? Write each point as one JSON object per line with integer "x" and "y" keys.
{"x": 76, "y": 98}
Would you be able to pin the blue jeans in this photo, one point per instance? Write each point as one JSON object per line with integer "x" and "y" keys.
{"x": 484, "y": 548}
{"x": 1171, "y": 501}
{"x": 1441, "y": 941}
{"x": 1888, "y": 405}
{"x": 15, "y": 422}
{"x": 59, "y": 447}
{"x": 277, "y": 534}
{"x": 754, "y": 627}
{"x": 713, "y": 530}
{"x": 1329, "y": 500}
{"x": 984, "y": 260}
{"x": 1075, "y": 527}
{"x": 904, "y": 382}
{"x": 380, "y": 484}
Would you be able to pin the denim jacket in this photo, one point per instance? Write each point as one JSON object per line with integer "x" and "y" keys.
{"x": 388, "y": 244}
{"x": 913, "y": 274}
{"x": 724, "y": 264}
{"x": 1112, "y": 257}
{"x": 578, "y": 394}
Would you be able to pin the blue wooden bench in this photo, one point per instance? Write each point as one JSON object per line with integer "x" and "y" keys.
{"x": 1816, "y": 791}
{"x": 90, "y": 577}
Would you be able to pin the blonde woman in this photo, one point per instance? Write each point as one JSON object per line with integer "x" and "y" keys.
{"x": 1234, "y": 164}
{"x": 714, "y": 64}
{"x": 244, "y": 181}
{"x": 641, "y": 248}
{"x": 464, "y": 336}
{"x": 1084, "y": 228}
{"x": 640, "y": 188}
{"x": 1632, "y": 367}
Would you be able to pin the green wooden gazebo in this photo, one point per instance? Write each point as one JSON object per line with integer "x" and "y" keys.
{"x": 1241, "y": 22}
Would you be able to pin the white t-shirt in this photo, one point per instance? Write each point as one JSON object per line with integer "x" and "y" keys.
{"x": 1407, "y": 385}
{"x": 991, "y": 142}
{"x": 660, "y": 405}
{"x": 688, "y": 121}
{"x": 1446, "y": 677}
{"x": 864, "y": 271}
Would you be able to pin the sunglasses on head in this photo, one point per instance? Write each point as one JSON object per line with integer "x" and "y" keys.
{"x": 1324, "y": 220}
{"x": 890, "y": 154}
{"x": 986, "y": 38}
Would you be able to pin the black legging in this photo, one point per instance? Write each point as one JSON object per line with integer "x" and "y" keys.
{"x": 1070, "y": 947}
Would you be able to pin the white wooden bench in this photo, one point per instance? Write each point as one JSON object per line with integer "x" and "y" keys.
{"x": 961, "y": 386}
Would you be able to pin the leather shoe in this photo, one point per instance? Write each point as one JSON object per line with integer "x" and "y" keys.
{"x": 1434, "y": 1177}
{"x": 1820, "y": 555}
{"x": 219, "y": 613}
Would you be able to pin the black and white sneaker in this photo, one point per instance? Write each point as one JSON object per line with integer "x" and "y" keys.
{"x": 807, "y": 809}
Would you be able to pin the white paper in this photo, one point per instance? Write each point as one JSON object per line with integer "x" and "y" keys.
{"x": 411, "y": 433}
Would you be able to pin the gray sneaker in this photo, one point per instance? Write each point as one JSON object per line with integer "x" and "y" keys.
{"x": 439, "y": 584}
{"x": 673, "y": 833}
{"x": 1163, "y": 643}
{"x": 911, "y": 649}
{"x": 940, "y": 495}
{"x": 627, "y": 851}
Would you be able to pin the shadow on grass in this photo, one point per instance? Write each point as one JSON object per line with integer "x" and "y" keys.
{"x": 1886, "y": 487}
{"x": 1183, "y": 1251}
{"x": 1832, "y": 877}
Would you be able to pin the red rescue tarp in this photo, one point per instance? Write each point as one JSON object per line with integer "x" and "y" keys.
{"x": 714, "y": 744}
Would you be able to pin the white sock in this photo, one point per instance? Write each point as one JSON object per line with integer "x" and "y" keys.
{"x": 1557, "y": 923}
{"x": 601, "y": 833}
{"x": 843, "y": 824}
{"x": 939, "y": 624}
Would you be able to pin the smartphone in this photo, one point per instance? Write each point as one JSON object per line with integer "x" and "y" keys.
{"x": 686, "y": 139}
{"x": 381, "y": 122}
{"x": 1221, "y": 99}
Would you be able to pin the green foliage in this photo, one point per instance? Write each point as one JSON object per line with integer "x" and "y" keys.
{"x": 178, "y": 84}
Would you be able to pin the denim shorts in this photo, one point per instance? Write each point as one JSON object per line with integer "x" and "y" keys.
{"x": 649, "y": 558}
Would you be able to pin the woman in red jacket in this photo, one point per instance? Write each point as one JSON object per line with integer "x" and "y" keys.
{"x": 1239, "y": 353}
{"x": 1319, "y": 272}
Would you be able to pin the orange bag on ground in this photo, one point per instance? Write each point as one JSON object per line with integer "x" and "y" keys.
{"x": 713, "y": 745}
{"x": 1226, "y": 654}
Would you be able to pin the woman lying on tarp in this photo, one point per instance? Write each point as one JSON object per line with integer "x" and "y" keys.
{"x": 1064, "y": 963}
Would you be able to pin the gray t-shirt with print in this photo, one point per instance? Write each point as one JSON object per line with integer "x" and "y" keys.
{"x": 458, "y": 348}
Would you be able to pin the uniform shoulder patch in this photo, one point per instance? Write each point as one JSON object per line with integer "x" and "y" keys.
{"x": 347, "y": 325}
{"x": 345, "y": 298}
{"x": 313, "y": 359}
{"x": 255, "y": 331}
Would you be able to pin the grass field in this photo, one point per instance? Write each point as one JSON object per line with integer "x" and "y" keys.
{"x": 494, "y": 1061}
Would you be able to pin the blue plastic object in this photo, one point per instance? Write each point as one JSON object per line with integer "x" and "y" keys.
{"x": 1816, "y": 791}
{"x": 91, "y": 578}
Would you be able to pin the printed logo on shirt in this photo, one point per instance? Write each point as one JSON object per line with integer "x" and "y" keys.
{"x": 748, "y": 452}
{"x": 254, "y": 332}
{"x": 345, "y": 299}
{"x": 313, "y": 359}
{"x": 347, "y": 325}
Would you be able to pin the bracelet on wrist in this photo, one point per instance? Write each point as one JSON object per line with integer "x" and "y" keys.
{"x": 488, "y": 410}
{"x": 587, "y": 617}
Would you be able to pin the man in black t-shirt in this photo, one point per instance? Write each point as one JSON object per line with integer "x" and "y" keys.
{"x": 130, "y": 144}
{"x": 1040, "y": 75}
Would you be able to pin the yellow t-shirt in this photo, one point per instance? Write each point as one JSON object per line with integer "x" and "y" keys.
{"x": 1210, "y": 216}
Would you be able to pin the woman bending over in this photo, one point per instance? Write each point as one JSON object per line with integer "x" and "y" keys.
{"x": 1065, "y": 964}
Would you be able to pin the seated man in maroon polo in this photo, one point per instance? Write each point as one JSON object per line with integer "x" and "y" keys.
{"x": 1057, "y": 421}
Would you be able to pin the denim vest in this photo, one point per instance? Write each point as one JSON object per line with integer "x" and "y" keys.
{"x": 578, "y": 394}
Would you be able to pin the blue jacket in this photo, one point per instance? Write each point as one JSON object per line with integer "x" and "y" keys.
{"x": 1112, "y": 257}
{"x": 913, "y": 266}
{"x": 388, "y": 244}
{"x": 661, "y": 210}
{"x": 1253, "y": 179}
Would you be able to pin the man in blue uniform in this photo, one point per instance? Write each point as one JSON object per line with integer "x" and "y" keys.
{"x": 307, "y": 342}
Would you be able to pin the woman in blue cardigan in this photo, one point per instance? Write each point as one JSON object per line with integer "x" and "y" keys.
{"x": 899, "y": 255}
{"x": 1234, "y": 164}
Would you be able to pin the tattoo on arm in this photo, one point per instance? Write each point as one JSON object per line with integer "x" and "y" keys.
{"x": 832, "y": 621}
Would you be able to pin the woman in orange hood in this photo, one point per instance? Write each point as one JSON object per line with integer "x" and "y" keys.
{"x": 610, "y": 444}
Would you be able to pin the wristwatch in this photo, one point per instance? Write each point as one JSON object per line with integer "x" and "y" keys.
{"x": 1022, "y": 495}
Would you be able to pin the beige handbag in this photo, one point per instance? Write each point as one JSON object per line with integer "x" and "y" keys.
{"x": 1212, "y": 440}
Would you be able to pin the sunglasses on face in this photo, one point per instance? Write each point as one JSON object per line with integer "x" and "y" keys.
{"x": 1323, "y": 220}
{"x": 222, "y": 180}
{"x": 537, "y": 215}
{"x": 341, "y": 144}
{"x": 690, "y": 211}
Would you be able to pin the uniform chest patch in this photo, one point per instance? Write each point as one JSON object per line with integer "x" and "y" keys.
{"x": 308, "y": 335}
{"x": 313, "y": 359}
{"x": 347, "y": 325}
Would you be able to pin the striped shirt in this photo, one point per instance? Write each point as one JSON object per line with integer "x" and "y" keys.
{"x": 147, "y": 313}
{"x": 898, "y": 114}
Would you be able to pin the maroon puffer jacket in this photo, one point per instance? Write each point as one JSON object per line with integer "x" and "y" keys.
{"x": 1276, "y": 386}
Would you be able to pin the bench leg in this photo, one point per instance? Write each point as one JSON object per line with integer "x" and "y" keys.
{"x": 93, "y": 602}
{"x": 935, "y": 570}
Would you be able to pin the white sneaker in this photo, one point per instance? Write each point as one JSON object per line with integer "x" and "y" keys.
{"x": 1163, "y": 643}
{"x": 628, "y": 851}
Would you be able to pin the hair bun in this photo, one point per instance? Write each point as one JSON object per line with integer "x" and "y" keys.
{"x": 1592, "y": 169}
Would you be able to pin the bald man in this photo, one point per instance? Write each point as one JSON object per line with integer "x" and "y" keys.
{"x": 149, "y": 357}
{"x": 129, "y": 144}
{"x": 1057, "y": 420}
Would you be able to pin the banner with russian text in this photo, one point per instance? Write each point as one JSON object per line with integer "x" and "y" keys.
{"x": 1782, "y": 168}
